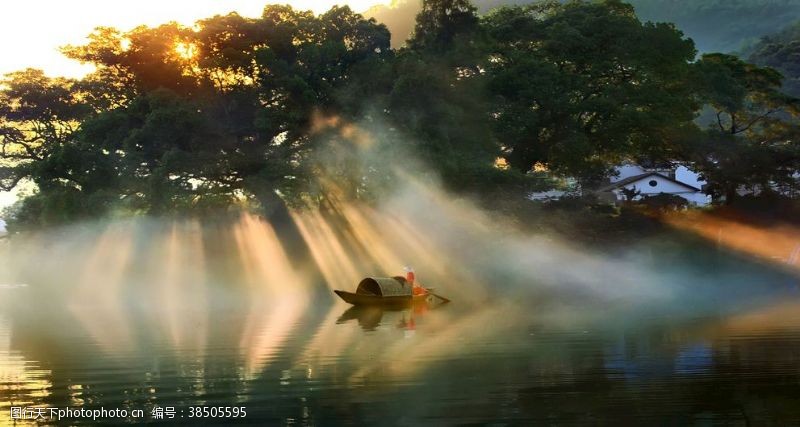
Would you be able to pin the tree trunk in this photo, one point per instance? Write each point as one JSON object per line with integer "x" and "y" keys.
{"x": 731, "y": 195}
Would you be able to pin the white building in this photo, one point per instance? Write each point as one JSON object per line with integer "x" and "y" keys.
{"x": 3, "y": 231}
{"x": 645, "y": 182}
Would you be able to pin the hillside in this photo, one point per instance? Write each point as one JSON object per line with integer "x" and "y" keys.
{"x": 782, "y": 52}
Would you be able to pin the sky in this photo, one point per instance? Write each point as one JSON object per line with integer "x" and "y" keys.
{"x": 31, "y": 31}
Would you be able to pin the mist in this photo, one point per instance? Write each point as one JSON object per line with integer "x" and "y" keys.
{"x": 234, "y": 304}
{"x": 178, "y": 271}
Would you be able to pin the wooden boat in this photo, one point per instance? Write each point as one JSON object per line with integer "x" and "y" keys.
{"x": 376, "y": 300}
{"x": 383, "y": 292}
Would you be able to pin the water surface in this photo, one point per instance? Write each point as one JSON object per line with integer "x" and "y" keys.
{"x": 500, "y": 363}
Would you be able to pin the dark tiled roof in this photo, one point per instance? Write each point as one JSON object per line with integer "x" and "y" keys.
{"x": 632, "y": 179}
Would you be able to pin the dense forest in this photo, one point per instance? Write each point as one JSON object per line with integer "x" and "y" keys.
{"x": 292, "y": 108}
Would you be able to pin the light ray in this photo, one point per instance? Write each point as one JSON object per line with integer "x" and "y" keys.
{"x": 97, "y": 303}
{"x": 279, "y": 295}
{"x": 778, "y": 243}
{"x": 181, "y": 277}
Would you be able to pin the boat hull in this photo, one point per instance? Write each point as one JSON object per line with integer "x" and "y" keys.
{"x": 379, "y": 301}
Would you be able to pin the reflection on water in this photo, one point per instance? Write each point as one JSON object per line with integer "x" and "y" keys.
{"x": 339, "y": 365}
{"x": 22, "y": 381}
{"x": 370, "y": 318}
{"x": 146, "y": 313}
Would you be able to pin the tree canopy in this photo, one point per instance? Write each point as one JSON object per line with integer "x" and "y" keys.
{"x": 258, "y": 113}
{"x": 752, "y": 139}
{"x": 579, "y": 87}
{"x": 177, "y": 118}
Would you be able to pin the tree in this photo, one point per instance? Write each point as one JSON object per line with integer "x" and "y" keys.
{"x": 438, "y": 97}
{"x": 441, "y": 23}
{"x": 176, "y": 119}
{"x": 753, "y": 138}
{"x": 578, "y": 87}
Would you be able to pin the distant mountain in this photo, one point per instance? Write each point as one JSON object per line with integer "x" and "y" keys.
{"x": 782, "y": 52}
{"x": 721, "y": 25}
{"x": 715, "y": 25}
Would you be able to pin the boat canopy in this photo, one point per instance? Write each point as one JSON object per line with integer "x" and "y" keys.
{"x": 384, "y": 287}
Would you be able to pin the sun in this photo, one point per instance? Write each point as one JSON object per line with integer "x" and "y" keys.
{"x": 185, "y": 51}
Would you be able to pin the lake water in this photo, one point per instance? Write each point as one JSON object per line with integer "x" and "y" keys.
{"x": 504, "y": 362}
{"x": 166, "y": 319}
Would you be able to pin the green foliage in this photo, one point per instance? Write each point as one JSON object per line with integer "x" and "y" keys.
{"x": 178, "y": 119}
{"x": 665, "y": 202}
{"x": 579, "y": 87}
{"x": 292, "y": 108}
{"x": 441, "y": 23}
{"x": 753, "y": 141}
{"x": 445, "y": 116}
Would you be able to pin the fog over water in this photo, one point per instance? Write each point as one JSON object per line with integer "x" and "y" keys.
{"x": 459, "y": 249}
{"x": 147, "y": 312}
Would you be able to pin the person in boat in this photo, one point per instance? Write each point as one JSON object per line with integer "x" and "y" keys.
{"x": 416, "y": 288}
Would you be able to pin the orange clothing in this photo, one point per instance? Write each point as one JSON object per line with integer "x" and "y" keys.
{"x": 415, "y": 288}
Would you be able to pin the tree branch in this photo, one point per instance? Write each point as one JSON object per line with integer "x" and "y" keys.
{"x": 719, "y": 121}
{"x": 17, "y": 139}
{"x": 756, "y": 120}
